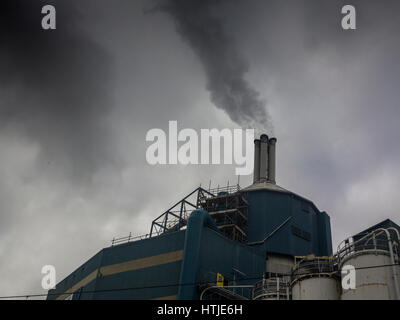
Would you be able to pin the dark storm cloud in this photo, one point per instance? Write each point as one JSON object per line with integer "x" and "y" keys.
{"x": 54, "y": 85}
{"x": 200, "y": 24}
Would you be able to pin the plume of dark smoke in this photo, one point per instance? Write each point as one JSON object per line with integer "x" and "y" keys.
{"x": 225, "y": 68}
{"x": 53, "y": 85}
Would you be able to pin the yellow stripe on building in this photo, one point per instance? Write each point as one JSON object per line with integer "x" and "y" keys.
{"x": 131, "y": 265}
{"x": 78, "y": 285}
{"x": 142, "y": 263}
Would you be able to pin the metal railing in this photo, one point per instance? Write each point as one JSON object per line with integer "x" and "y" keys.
{"x": 377, "y": 240}
{"x": 127, "y": 239}
{"x": 228, "y": 189}
{"x": 272, "y": 288}
{"x": 311, "y": 266}
{"x": 228, "y": 290}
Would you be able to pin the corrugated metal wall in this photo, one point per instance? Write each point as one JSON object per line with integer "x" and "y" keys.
{"x": 307, "y": 232}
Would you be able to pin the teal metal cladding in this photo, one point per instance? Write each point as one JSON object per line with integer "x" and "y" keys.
{"x": 207, "y": 252}
{"x": 308, "y": 231}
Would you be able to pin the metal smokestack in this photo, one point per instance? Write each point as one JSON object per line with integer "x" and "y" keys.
{"x": 272, "y": 160}
{"x": 264, "y": 157}
{"x": 256, "y": 172}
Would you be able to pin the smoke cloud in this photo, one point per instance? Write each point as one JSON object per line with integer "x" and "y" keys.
{"x": 198, "y": 23}
{"x": 54, "y": 86}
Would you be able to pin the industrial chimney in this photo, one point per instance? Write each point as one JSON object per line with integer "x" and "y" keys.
{"x": 264, "y": 157}
{"x": 272, "y": 160}
{"x": 256, "y": 172}
{"x": 264, "y": 160}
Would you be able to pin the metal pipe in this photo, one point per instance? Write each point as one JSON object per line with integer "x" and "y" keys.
{"x": 271, "y": 234}
{"x": 397, "y": 233}
{"x": 264, "y": 157}
{"x": 396, "y": 283}
{"x": 256, "y": 172}
{"x": 272, "y": 160}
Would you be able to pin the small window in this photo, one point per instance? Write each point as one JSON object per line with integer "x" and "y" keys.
{"x": 301, "y": 233}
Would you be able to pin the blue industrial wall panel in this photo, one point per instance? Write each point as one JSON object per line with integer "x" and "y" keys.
{"x": 81, "y": 273}
{"x": 324, "y": 228}
{"x": 86, "y": 293}
{"x": 140, "y": 249}
{"x": 221, "y": 255}
{"x": 308, "y": 231}
{"x": 143, "y": 284}
{"x": 266, "y": 212}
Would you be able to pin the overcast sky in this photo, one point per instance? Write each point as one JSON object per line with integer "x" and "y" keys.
{"x": 76, "y": 104}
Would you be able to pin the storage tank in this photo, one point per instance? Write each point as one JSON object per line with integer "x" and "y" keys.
{"x": 374, "y": 258}
{"x": 315, "y": 278}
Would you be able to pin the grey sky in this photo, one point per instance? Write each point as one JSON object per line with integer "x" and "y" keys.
{"x": 75, "y": 107}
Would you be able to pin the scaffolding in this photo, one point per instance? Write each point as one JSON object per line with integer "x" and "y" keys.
{"x": 226, "y": 205}
{"x": 175, "y": 218}
{"x": 228, "y": 208}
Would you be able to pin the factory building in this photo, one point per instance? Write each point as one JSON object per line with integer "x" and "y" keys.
{"x": 261, "y": 242}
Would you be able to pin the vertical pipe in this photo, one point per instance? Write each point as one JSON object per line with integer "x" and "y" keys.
{"x": 256, "y": 172}
{"x": 191, "y": 253}
{"x": 264, "y": 157}
{"x": 272, "y": 160}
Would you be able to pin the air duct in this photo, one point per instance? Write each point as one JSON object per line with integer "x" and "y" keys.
{"x": 272, "y": 160}
{"x": 256, "y": 172}
{"x": 264, "y": 157}
{"x": 198, "y": 220}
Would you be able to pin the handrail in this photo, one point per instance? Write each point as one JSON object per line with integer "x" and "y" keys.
{"x": 223, "y": 287}
{"x": 276, "y": 286}
{"x": 127, "y": 239}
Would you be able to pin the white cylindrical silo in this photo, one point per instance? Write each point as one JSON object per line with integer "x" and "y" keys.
{"x": 315, "y": 278}
{"x": 371, "y": 283}
{"x": 374, "y": 259}
{"x": 316, "y": 288}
